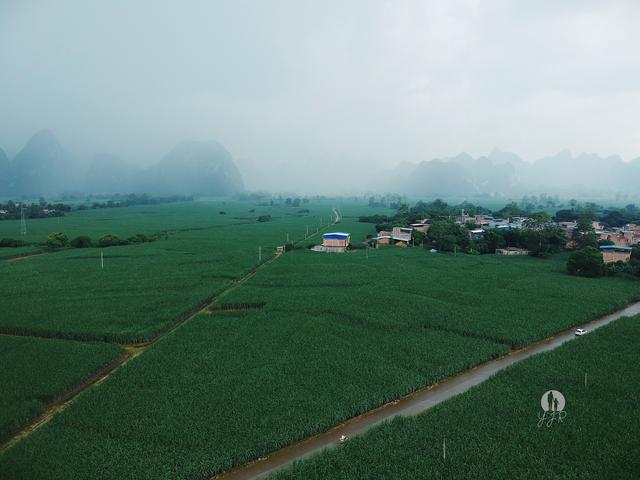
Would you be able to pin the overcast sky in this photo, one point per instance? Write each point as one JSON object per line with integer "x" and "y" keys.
{"x": 330, "y": 85}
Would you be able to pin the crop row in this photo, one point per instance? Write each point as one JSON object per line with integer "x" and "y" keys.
{"x": 494, "y": 429}
{"x": 507, "y": 300}
{"x": 226, "y": 388}
{"x": 36, "y": 371}
{"x": 130, "y": 293}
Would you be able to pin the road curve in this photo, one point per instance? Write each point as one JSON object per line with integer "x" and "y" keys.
{"x": 412, "y": 404}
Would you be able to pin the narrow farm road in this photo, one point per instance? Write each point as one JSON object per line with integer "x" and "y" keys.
{"x": 24, "y": 257}
{"x": 133, "y": 350}
{"x": 412, "y": 404}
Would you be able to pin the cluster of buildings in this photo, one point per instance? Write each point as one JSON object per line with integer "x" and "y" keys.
{"x": 622, "y": 239}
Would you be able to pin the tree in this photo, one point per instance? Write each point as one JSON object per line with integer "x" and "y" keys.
{"x": 447, "y": 236}
{"x": 541, "y": 235}
{"x": 81, "y": 242}
{"x": 110, "y": 240}
{"x": 584, "y": 234}
{"x": 586, "y": 262}
{"x": 57, "y": 240}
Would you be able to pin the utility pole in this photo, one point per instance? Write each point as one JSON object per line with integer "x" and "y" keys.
{"x": 444, "y": 449}
{"x": 23, "y": 222}
{"x": 287, "y": 237}
{"x": 307, "y": 231}
{"x": 101, "y": 259}
{"x": 259, "y": 254}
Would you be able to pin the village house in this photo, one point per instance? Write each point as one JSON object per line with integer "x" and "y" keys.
{"x": 383, "y": 238}
{"x": 476, "y": 234}
{"x": 568, "y": 227}
{"x": 335, "y": 241}
{"x": 401, "y": 234}
{"x": 512, "y": 251}
{"x": 615, "y": 253}
{"x": 421, "y": 226}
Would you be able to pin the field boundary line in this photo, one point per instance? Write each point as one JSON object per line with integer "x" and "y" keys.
{"x": 62, "y": 401}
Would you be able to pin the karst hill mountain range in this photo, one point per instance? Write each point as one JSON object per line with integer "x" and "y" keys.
{"x": 43, "y": 167}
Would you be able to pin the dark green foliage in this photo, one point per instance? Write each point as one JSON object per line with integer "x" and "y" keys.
{"x": 35, "y": 371}
{"x": 111, "y": 240}
{"x": 11, "y": 243}
{"x": 584, "y": 234}
{"x": 81, "y": 241}
{"x": 565, "y": 215}
{"x": 586, "y": 262}
{"x": 140, "y": 238}
{"x": 57, "y": 240}
{"x": 511, "y": 210}
{"x": 264, "y": 218}
{"x": 448, "y": 236}
{"x": 492, "y": 430}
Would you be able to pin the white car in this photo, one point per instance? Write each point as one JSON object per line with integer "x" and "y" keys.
{"x": 580, "y": 332}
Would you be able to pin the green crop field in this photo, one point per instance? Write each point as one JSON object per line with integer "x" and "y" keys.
{"x": 7, "y": 253}
{"x": 36, "y": 371}
{"x": 325, "y": 337}
{"x": 492, "y": 430}
{"x": 143, "y": 288}
{"x": 513, "y": 300}
{"x": 224, "y": 389}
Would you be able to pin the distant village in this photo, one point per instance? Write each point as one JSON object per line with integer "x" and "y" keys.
{"x": 534, "y": 234}
{"x": 619, "y": 241}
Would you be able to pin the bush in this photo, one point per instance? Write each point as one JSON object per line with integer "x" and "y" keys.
{"x": 586, "y": 263}
{"x": 57, "y": 240}
{"x": 111, "y": 240}
{"x": 82, "y": 242}
{"x": 11, "y": 243}
{"x": 264, "y": 218}
{"x": 140, "y": 238}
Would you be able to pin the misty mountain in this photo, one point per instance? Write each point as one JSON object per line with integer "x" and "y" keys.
{"x": 109, "y": 174}
{"x": 196, "y": 168}
{"x": 505, "y": 173}
{"x": 5, "y": 171}
{"x": 43, "y": 167}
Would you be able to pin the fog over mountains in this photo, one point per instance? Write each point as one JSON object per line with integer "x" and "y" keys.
{"x": 506, "y": 173}
{"x": 44, "y": 168}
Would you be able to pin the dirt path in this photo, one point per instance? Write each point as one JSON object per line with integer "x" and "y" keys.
{"x": 24, "y": 257}
{"x": 412, "y": 404}
{"x": 132, "y": 351}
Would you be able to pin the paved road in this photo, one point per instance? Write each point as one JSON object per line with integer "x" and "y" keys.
{"x": 413, "y": 404}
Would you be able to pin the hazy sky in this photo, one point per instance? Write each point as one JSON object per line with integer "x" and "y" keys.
{"x": 329, "y": 86}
